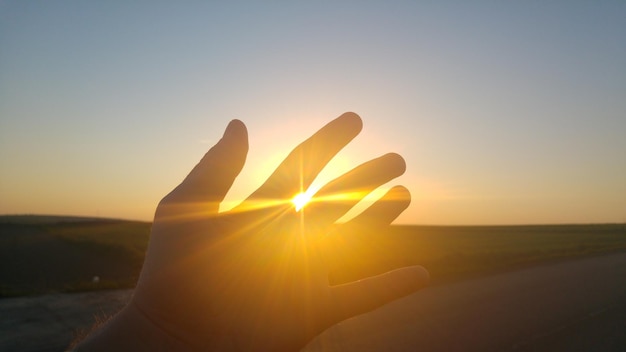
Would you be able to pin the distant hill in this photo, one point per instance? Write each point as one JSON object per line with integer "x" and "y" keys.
{"x": 29, "y": 219}
{"x": 41, "y": 254}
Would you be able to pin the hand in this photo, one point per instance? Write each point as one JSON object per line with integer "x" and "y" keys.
{"x": 255, "y": 277}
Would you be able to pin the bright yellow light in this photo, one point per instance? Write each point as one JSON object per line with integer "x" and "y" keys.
{"x": 300, "y": 200}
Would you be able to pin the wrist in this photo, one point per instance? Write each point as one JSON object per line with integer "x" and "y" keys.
{"x": 130, "y": 330}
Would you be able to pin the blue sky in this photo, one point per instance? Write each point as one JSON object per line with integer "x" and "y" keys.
{"x": 505, "y": 112}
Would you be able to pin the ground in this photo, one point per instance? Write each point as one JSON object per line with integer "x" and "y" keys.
{"x": 574, "y": 305}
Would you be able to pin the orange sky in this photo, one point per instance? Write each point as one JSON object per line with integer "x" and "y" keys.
{"x": 505, "y": 113}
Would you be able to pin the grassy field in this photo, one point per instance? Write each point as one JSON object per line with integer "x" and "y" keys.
{"x": 62, "y": 254}
{"x": 456, "y": 252}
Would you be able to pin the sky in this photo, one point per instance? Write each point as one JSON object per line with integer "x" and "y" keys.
{"x": 505, "y": 112}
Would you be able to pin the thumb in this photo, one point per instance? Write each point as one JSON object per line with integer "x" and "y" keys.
{"x": 362, "y": 296}
{"x": 209, "y": 181}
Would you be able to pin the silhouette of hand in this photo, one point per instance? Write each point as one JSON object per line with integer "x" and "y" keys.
{"x": 255, "y": 277}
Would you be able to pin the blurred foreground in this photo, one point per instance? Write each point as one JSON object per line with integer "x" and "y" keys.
{"x": 577, "y": 305}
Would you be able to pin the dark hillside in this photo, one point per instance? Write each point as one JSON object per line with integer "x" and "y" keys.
{"x": 455, "y": 252}
{"x": 38, "y": 257}
{"x": 48, "y": 254}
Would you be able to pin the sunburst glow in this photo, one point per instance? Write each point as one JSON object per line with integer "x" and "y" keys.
{"x": 301, "y": 199}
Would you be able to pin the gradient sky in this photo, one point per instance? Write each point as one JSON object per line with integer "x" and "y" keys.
{"x": 506, "y": 112}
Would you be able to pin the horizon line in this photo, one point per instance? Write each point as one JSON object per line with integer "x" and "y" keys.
{"x": 75, "y": 218}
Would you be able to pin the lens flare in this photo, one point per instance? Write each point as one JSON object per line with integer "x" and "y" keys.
{"x": 300, "y": 200}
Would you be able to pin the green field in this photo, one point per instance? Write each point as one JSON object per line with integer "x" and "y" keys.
{"x": 456, "y": 252}
{"x": 62, "y": 254}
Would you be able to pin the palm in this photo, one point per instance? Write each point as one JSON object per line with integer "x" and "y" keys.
{"x": 255, "y": 277}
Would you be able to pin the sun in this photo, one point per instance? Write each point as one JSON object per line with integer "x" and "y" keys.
{"x": 301, "y": 199}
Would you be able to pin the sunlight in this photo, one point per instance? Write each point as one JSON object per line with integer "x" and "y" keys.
{"x": 301, "y": 199}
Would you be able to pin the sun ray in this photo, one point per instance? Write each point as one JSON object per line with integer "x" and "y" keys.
{"x": 301, "y": 199}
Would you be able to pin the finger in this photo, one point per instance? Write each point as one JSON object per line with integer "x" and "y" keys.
{"x": 337, "y": 197}
{"x": 358, "y": 245}
{"x": 385, "y": 210}
{"x": 368, "y": 294}
{"x": 304, "y": 163}
{"x": 209, "y": 181}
